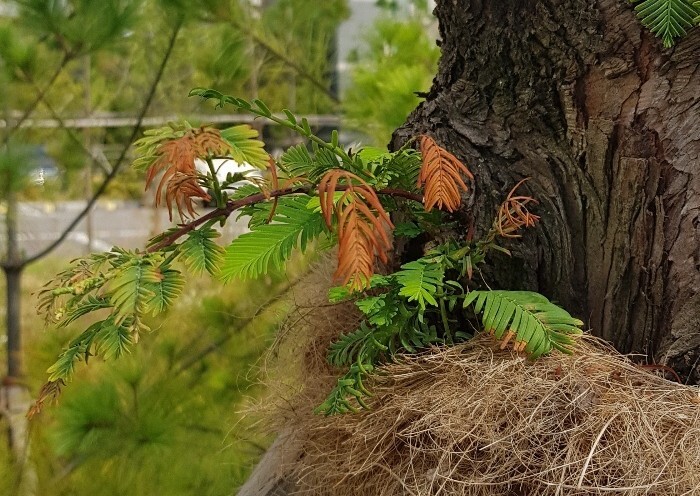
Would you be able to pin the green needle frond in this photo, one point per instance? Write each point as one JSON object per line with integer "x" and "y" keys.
{"x": 668, "y": 19}
{"x": 245, "y": 147}
{"x": 297, "y": 162}
{"x": 131, "y": 289}
{"x": 420, "y": 281}
{"x": 90, "y": 304}
{"x": 537, "y": 325}
{"x": 200, "y": 252}
{"x": 165, "y": 291}
{"x": 347, "y": 348}
{"x": 114, "y": 339}
{"x": 270, "y": 245}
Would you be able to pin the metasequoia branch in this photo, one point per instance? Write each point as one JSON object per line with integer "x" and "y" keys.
{"x": 234, "y": 205}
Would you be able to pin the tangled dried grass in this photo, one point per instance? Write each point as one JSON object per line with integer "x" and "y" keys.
{"x": 471, "y": 420}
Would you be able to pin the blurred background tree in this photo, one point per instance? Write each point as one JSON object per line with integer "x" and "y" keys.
{"x": 165, "y": 420}
{"x": 398, "y": 61}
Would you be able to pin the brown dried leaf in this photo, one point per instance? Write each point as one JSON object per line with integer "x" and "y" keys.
{"x": 176, "y": 159}
{"x": 49, "y": 392}
{"x": 514, "y": 215}
{"x": 182, "y": 189}
{"x": 442, "y": 175}
{"x": 361, "y": 226}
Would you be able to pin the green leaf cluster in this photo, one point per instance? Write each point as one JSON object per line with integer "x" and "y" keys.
{"x": 418, "y": 308}
{"x": 269, "y": 245}
{"x": 532, "y": 318}
{"x": 126, "y": 286}
{"x": 392, "y": 325}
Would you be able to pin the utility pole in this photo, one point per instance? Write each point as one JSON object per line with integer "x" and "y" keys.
{"x": 88, "y": 166}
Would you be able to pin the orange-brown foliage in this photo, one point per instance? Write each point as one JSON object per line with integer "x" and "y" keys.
{"x": 513, "y": 214}
{"x": 176, "y": 160}
{"x": 442, "y": 175}
{"x": 362, "y": 222}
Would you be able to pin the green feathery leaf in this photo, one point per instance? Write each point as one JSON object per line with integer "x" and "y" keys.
{"x": 348, "y": 390}
{"x": 114, "y": 338}
{"x": 200, "y": 252}
{"x": 397, "y": 170}
{"x": 297, "y": 161}
{"x": 346, "y": 349}
{"x": 537, "y": 324}
{"x": 400, "y": 330}
{"x": 270, "y": 245}
{"x": 165, "y": 291}
{"x": 90, "y": 304}
{"x": 420, "y": 280}
{"x": 245, "y": 147}
{"x": 77, "y": 350}
{"x": 130, "y": 290}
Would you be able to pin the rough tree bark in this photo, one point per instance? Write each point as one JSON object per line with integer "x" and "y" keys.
{"x": 576, "y": 95}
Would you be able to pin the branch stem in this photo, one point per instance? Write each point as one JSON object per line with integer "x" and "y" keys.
{"x": 445, "y": 321}
{"x": 215, "y": 182}
{"x": 234, "y": 205}
{"x": 37, "y": 99}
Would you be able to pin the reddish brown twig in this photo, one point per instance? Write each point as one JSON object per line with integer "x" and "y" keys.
{"x": 232, "y": 206}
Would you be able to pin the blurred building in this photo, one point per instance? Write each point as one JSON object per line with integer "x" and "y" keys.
{"x": 351, "y": 34}
{"x": 353, "y": 31}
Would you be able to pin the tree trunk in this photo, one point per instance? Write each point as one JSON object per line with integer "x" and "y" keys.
{"x": 14, "y": 394}
{"x": 13, "y": 277}
{"x": 579, "y": 97}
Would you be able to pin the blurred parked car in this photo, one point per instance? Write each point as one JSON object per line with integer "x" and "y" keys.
{"x": 44, "y": 167}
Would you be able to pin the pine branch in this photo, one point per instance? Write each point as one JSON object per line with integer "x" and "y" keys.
{"x": 298, "y": 69}
{"x": 37, "y": 99}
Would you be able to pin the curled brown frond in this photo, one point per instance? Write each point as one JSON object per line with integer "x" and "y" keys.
{"x": 361, "y": 226}
{"x": 181, "y": 190}
{"x": 49, "y": 392}
{"x": 514, "y": 215}
{"x": 176, "y": 159}
{"x": 442, "y": 175}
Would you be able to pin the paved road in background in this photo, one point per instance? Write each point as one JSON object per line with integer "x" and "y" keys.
{"x": 124, "y": 224}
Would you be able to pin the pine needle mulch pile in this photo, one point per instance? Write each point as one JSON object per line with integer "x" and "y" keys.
{"x": 473, "y": 420}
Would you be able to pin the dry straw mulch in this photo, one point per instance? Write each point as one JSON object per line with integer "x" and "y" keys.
{"x": 472, "y": 420}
